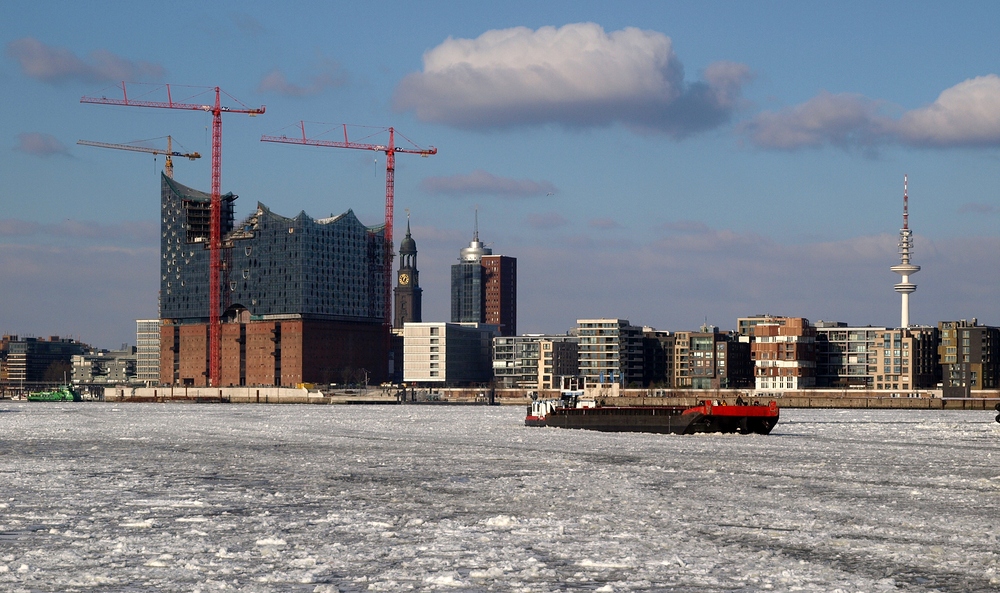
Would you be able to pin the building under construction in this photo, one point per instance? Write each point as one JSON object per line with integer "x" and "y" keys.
{"x": 303, "y": 298}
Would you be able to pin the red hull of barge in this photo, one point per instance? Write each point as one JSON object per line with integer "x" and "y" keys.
{"x": 707, "y": 417}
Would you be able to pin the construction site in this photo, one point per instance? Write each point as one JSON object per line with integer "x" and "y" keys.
{"x": 271, "y": 300}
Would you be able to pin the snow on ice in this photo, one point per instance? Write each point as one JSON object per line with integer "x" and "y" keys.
{"x": 321, "y": 499}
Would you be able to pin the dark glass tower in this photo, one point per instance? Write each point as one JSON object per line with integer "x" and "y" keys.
{"x": 468, "y": 300}
{"x": 484, "y": 288}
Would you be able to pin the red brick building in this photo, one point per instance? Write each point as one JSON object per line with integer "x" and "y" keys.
{"x": 285, "y": 352}
{"x": 500, "y": 288}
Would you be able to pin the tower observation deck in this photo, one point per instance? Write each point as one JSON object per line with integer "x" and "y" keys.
{"x": 905, "y": 268}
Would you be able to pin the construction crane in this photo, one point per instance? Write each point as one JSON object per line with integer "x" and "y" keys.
{"x": 390, "y": 151}
{"x": 168, "y": 167}
{"x": 215, "y": 235}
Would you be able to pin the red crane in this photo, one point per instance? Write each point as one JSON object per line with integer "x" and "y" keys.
{"x": 215, "y": 235}
{"x": 390, "y": 151}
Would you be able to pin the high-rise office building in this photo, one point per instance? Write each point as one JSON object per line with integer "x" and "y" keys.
{"x": 484, "y": 288}
{"x": 500, "y": 292}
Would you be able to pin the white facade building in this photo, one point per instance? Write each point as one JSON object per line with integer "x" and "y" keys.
{"x": 451, "y": 354}
{"x": 147, "y": 340}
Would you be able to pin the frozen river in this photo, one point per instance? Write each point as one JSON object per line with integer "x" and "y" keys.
{"x": 172, "y": 497}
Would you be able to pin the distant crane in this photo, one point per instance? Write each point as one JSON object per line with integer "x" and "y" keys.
{"x": 390, "y": 151}
{"x": 169, "y": 167}
{"x": 215, "y": 235}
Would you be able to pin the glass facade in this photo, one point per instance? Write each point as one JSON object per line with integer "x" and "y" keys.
{"x": 331, "y": 268}
{"x": 468, "y": 299}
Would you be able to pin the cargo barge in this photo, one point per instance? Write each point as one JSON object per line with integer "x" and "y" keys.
{"x": 710, "y": 416}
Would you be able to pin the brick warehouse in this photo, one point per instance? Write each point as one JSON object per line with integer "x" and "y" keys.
{"x": 303, "y": 297}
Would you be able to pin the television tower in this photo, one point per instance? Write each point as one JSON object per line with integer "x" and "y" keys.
{"x": 905, "y": 268}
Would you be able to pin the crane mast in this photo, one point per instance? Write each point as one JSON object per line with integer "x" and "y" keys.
{"x": 169, "y": 152}
{"x": 390, "y": 151}
{"x": 215, "y": 234}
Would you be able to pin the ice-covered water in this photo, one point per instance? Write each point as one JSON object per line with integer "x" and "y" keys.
{"x": 171, "y": 497}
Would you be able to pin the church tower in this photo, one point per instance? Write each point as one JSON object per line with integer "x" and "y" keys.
{"x": 407, "y": 282}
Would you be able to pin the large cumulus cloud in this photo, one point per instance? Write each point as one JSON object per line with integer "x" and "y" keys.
{"x": 577, "y": 75}
{"x": 965, "y": 115}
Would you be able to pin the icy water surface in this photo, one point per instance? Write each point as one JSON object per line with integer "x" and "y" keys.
{"x": 171, "y": 497}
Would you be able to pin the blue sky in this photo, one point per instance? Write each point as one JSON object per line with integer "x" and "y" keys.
{"x": 667, "y": 162}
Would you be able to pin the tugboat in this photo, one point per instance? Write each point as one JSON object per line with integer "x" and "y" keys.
{"x": 59, "y": 394}
{"x": 708, "y": 416}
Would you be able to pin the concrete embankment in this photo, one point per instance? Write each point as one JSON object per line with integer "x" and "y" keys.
{"x": 518, "y": 397}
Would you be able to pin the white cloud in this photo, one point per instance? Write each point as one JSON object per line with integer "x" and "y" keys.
{"x": 483, "y": 183}
{"x": 577, "y": 75}
{"x": 841, "y": 120}
{"x": 56, "y": 64}
{"x": 965, "y": 115}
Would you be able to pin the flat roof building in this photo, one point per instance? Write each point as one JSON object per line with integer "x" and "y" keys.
{"x": 784, "y": 354}
{"x": 37, "y": 360}
{"x": 970, "y": 357}
{"x": 610, "y": 351}
{"x": 447, "y": 354}
{"x": 534, "y": 361}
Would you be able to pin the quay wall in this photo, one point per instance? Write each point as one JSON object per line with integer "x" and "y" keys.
{"x": 813, "y": 398}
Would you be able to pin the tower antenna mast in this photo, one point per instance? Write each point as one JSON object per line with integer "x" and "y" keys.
{"x": 905, "y": 268}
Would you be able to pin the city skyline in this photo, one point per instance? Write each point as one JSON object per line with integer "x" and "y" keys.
{"x": 676, "y": 163}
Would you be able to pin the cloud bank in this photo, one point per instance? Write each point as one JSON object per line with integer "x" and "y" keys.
{"x": 326, "y": 74}
{"x": 965, "y": 115}
{"x": 39, "y": 144}
{"x": 480, "y": 182}
{"x": 689, "y": 271}
{"x": 57, "y": 65}
{"x": 577, "y": 75}
{"x": 545, "y": 220}
{"x": 79, "y": 278}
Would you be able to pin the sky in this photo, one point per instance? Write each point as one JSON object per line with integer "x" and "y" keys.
{"x": 671, "y": 163}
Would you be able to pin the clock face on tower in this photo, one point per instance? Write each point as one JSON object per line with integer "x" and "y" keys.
{"x": 404, "y": 279}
